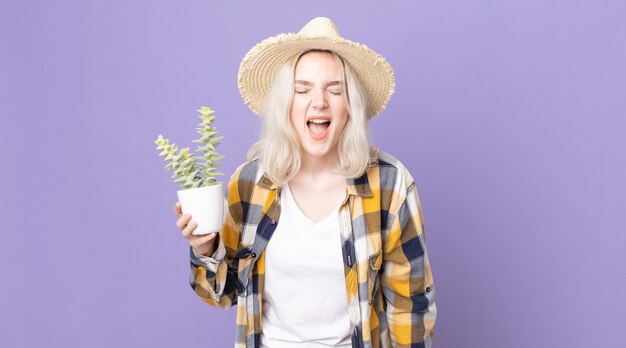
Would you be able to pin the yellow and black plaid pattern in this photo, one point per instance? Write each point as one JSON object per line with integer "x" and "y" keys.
{"x": 389, "y": 284}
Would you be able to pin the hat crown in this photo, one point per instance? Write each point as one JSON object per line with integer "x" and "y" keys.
{"x": 320, "y": 26}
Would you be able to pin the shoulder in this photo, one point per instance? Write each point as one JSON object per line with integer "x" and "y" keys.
{"x": 388, "y": 181}
{"x": 248, "y": 171}
{"x": 244, "y": 181}
{"x": 394, "y": 183}
{"x": 391, "y": 172}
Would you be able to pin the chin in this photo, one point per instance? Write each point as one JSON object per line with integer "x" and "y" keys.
{"x": 319, "y": 152}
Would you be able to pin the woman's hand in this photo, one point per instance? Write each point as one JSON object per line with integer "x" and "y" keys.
{"x": 203, "y": 245}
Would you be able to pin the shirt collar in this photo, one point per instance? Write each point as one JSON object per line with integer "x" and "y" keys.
{"x": 265, "y": 182}
{"x": 359, "y": 186}
{"x": 356, "y": 186}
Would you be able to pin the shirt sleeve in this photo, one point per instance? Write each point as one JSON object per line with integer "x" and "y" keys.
{"x": 214, "y": 278}
{"x": 407, "y": 281}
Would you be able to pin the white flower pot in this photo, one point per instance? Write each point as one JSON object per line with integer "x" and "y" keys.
{"x": 206, "y": 206}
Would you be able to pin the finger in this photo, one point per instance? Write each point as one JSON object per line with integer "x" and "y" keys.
{"x": 183, "y": 221}
{"x": 187, "y": 231}
{"x": 177, "y": 209}
{"x": 201, "y": 240}
{"x": 207, "y": 238}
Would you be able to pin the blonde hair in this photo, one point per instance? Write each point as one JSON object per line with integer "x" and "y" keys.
{"x": 279, "y": 150}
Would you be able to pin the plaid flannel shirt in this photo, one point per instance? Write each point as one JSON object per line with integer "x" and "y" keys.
{"x": 389, "y": 284}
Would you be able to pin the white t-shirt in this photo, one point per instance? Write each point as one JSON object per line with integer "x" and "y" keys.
{"x": 304, "y": 294}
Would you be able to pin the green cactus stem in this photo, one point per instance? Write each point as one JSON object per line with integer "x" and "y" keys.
{"x": 188, "y": 172}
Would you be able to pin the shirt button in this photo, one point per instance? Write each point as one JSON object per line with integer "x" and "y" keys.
{"x": 428, "y": 289}
{"x": 273, "y": 222}
{"x": 253, "y": 255}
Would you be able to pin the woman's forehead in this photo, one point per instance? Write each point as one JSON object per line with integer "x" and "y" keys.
{"x": 329, "y": 83}
{"x": 314, "y": 66}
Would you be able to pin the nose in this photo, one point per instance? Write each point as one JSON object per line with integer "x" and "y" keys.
{"x": 318, "y": 100}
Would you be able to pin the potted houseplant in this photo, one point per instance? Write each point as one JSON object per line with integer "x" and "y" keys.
{"x": 200, "y": 194}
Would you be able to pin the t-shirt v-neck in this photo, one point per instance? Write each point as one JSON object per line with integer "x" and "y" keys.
{"x": 295, "y": 209}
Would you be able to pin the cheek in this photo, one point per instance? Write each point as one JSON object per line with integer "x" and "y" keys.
{"x": 295, "y": 119}
{"x": 296, "y": 106}
{"x": 343, "y": 119}
{"x": 341, "y": 113}
{"x": 293, "y": 111}
{"x": 340, "y": 105}
{"x": 344, "y": 122}
{"x": 297, "y": 113}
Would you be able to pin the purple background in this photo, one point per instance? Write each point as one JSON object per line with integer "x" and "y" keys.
{"x": 509, "y": 114}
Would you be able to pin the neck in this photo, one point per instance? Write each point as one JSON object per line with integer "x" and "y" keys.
{"x": 312, "y": 166}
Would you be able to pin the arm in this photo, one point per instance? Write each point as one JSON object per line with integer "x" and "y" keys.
{"x": 214, "y": 278}
{"x": 407, "y": 280}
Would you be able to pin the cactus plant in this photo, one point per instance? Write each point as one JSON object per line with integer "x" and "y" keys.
{"x": 188, "y": 172}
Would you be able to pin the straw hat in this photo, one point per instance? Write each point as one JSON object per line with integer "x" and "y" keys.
{"x": 262, "y": 62}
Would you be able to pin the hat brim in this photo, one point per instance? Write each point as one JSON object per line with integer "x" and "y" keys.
{"x": 262, "y": 62}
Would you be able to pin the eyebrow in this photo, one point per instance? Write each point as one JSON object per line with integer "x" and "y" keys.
{"x": 329, "y": 84}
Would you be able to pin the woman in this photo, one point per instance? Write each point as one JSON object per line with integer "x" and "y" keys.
{"x": 323, "y": 244}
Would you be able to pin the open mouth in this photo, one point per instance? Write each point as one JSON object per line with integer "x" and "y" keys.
{"x": 318, "y": 127}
